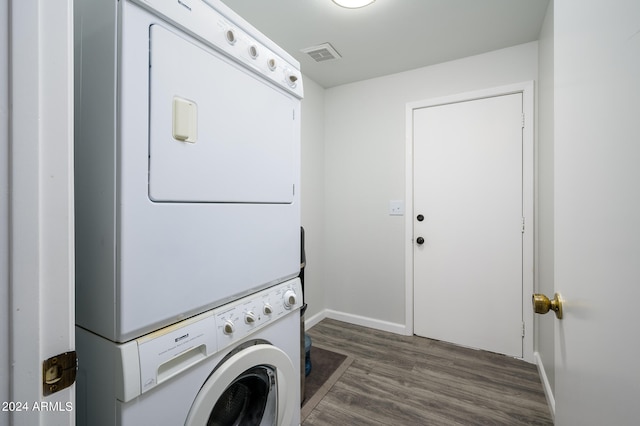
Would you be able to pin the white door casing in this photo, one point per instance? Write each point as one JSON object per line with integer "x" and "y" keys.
{"x": 40, "y": 207}
{"x": 4, "y": 201}
{"x": 524, "y": 302}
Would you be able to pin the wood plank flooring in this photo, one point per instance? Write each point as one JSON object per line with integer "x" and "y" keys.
{"x": 409, "y": 380}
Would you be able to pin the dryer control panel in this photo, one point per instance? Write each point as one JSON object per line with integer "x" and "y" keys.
{"x": 215, "y": 24}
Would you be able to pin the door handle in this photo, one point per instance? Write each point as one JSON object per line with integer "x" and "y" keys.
{"x": 420, "y": 241}
{"x": 542, "y": 304}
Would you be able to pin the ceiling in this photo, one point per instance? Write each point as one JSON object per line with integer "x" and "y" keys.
{"x": 391, "y": 36}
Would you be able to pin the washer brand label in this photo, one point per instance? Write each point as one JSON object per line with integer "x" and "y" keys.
{"x": 177, "y": 339}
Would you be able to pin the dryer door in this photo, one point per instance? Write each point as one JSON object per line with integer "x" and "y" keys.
{"x": 254, "y": 386}
{"x": 218, "y": 133}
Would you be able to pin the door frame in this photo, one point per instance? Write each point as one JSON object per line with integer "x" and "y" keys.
{"x": 528, "y": 194}
{"x": 38, "y": 211}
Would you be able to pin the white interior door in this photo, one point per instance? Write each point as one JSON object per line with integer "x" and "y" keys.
{"x": 468, "y": 213}
{"x": 597, "y": 205}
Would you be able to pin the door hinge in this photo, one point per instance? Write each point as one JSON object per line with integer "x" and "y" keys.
{"x": 523, "y": 329}
{"x": 522, "y": 228}
{"x": 523, "y": 120}
{"x": 59, "y": 372}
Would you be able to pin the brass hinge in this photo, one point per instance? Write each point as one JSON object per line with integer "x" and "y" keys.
{"x": 59, "y": 372}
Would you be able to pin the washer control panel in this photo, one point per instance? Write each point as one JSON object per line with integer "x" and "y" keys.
{"x": 238, "y": 319}
{"x": 160, "y": 355}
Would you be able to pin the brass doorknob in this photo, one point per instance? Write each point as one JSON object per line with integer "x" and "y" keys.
{"x": 542, "y": 304}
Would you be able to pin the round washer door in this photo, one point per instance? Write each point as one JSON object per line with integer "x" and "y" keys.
{"x": 239, "y": 366}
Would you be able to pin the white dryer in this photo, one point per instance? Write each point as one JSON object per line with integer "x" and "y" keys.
{"x": 234, "y": 365}
{"x": 186, "y": 162}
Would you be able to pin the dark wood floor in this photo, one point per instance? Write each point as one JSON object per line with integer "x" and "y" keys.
{"x": 408, "y": 380}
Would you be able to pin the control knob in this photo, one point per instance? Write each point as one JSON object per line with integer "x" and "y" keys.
{"x": 289, "y": 298}
{"x": 249, "y": 317}
{"x": 267, "y": 309}
{"x": 291, "y": 78}
{"x": 228, "y": 327}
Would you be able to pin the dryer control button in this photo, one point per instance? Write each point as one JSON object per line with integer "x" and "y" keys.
{"x": 231, "y": 37}
{"x": 267, "y": 309}
{"x": 253, "y": 51}
{"x": 291, "y": 79}
{"x": 228, "y": 327}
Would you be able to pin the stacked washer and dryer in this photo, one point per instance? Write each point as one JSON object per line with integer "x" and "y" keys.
{"x": 187, "y": 217}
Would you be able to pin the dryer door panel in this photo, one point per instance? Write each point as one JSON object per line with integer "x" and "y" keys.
{"x": 218, "y": 134}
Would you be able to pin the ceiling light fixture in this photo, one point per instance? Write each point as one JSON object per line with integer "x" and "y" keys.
{"x": 353, "y": 4}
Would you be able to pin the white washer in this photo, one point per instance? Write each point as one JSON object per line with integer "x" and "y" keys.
{"x": 236, "y": 364}
{"x": 187, "y": 162}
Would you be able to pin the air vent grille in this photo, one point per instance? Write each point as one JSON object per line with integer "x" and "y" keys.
{"x": 322, "y": 52}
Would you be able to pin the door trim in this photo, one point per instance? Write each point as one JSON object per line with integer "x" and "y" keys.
{"x": 39, "y": 213}
{"x": 528, "y": 194}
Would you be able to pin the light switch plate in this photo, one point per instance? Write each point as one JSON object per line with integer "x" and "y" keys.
{"x": 396, "y": 208}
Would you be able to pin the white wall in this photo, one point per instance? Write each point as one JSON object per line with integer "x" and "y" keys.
{"x": 312, "y": 194}
{"x": 364, "y": 166}
{"x": 544, "y": 324}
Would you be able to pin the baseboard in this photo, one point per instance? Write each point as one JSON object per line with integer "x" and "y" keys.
{"x": 357, "y": 320}
{"x": 313, "y": 320}
{"x": 548, "y": 392}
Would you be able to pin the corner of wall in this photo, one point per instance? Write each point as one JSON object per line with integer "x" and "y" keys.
{"x": 313, "y": 194}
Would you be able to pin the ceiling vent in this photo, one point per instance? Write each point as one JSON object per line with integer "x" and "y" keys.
{"x": 322, "y": 52}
